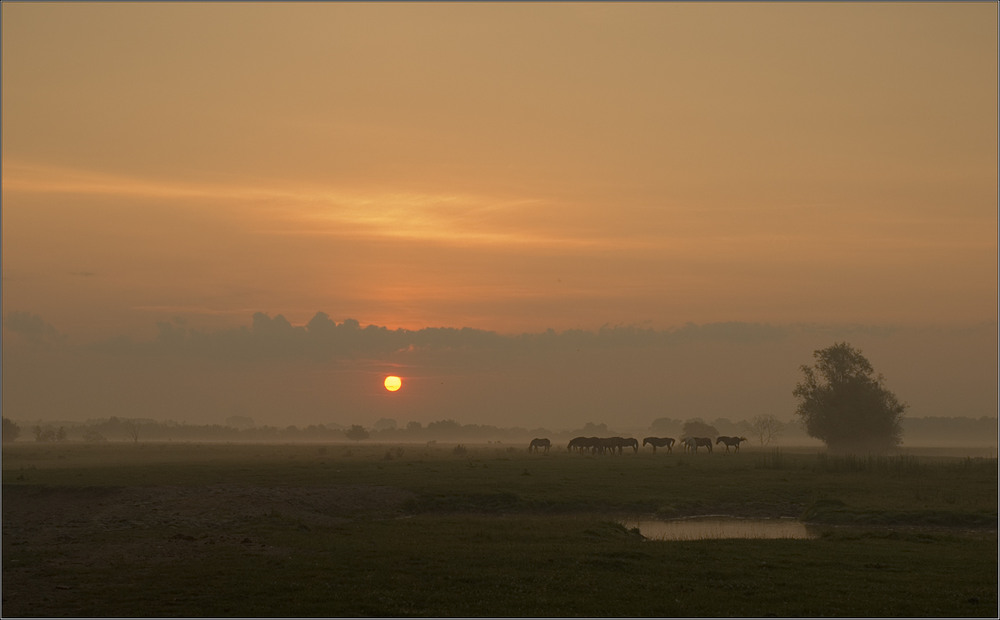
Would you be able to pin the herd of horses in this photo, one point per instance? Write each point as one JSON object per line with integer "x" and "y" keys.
{"x": 617, "y": 445}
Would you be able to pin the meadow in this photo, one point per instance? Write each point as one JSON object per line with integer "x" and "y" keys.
{"x": 486, "y": 530}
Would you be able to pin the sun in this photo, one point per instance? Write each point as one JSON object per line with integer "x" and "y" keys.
{"x": 393, "y": 383}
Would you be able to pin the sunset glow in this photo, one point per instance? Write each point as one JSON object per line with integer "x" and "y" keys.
{"x": 198, "y": 181}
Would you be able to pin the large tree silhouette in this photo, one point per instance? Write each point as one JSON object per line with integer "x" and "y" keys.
{"x": 845, "y": 404}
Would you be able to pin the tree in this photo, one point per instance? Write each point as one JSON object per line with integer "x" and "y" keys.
{"x": 845, "y": 404}
{"x": 385, "y": 424}
{"x": 44, "y": 433}
{"x": 356, "y": 432}
{"x": 11, "y": 431}
{"x": 664, "y": 426}
{"x": 444, "y": 429}
{"x": 697, "y": 428}
{"x": 241, "y": 422}
{"x": 594, "y": 430}
{"x": 766, "y": 428}
{"x": 132, "y": 429}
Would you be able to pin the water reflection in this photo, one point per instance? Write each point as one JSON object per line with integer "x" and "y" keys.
{"x": 701, "y": 528}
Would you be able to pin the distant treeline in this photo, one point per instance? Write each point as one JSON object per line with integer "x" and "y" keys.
{"x": 917, "y": 431}
{"x": 138, "y": 429}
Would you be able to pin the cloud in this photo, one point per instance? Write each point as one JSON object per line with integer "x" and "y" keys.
{"x": 32, "y": 328}
{"x": 322, "y": 338}
{"x": 358, "y": 212}
{"x": 331, "y": 370}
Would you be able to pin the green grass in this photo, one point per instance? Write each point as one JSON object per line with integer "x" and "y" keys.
{"x": 490, "y": 532}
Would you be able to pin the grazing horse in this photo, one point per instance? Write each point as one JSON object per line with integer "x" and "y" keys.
{"x": 543, "y": 444}
{"x": 584, "y": 444}
{"x": 691, "y": 443}
{"x": 611, "y": 445}
{"x": 660, "y": 442}
{"x": 615, "y": 445}
{"x": 730, "y": 441}
{"x": 593, "y": 444}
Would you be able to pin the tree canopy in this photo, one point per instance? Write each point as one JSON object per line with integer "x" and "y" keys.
{"x": 356, "y": 432}
{"x": 846, "y": 405}
{"x": 11, "y": 431}
{"x": 697, "y": 428}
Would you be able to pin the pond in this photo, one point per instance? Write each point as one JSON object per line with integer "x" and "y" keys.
{"x": 702, "y": 528}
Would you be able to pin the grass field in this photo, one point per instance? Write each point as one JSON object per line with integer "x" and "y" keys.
{"x": 247, "y": 530}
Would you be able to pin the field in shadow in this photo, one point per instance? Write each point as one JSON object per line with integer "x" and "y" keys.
{"x": 232, "y": 530}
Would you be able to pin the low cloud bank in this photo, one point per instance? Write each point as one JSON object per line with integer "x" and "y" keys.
{"x": 322, "y": 338}
{"x": 330, "y": 373}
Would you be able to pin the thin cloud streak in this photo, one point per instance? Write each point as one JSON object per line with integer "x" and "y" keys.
{"x": 443, "y": 218}
{"x": 476, "y": 221}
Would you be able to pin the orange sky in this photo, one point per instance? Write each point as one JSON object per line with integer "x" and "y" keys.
{"x": 505, "y": 166}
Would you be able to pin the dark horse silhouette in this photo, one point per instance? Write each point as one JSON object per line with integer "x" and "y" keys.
{"x": 660, "y": 442}
{"x": 703, "y": 441}
{"x": 536, "y": 444}
{"x": 632, "y": 441}
{"x": 692, "y": 443}
{"x": 608, "y": 445}
{"x": 730, "y": 441}
{"x": 614, "y": 445}
{"x": 603, "y": 445}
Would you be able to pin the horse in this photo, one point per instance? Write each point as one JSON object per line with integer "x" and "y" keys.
{"x": 543, "y": 444}
{"x": 615, "y": 445}
{"x": 659, "y": 442}
{"x": 702, "y": 441}
{"x": 610, "y": 445}
{"x": 590, "y": 443}
{"x": 577, "y": 443}
{"x": 730, "y": 441}
{"x": 691, "y": 443}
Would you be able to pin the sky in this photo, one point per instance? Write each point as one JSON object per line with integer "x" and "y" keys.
{"x": 711, "y": 191}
